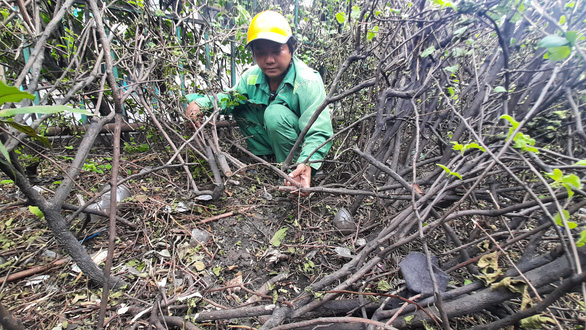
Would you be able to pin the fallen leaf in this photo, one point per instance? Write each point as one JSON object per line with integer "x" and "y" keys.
{"x": 199, "y": 266}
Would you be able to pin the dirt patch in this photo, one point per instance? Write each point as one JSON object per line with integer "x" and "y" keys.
{"x": 256, "y": 233}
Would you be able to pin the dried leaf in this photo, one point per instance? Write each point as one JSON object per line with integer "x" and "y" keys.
{"x": 199, "y": 266}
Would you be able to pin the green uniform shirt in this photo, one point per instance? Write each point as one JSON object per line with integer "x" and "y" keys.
{"x": 301, "y": 91}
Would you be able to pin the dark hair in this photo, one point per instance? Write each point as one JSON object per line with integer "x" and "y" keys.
{"x": 292, "y": 44}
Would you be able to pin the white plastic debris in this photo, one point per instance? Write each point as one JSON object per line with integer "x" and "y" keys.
{"x": 122, "y": 193}
{"x": 274, "y": 256}
{"x": 164, "y": 253}
{"x": 180, "y": 207}
{"x": 49, "y": 254}
{"x": 204, "y": 198}
{"x": 36, "y": 280}
{"x": 97, "y": 257}
{"x": 343, "y": 252}
{"x": 199, "y": 236}
{"x": 122, "y": 310}
{"x": 344, "y": 221}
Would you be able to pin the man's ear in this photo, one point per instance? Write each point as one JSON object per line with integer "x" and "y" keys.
{"x": 292, "y": 43}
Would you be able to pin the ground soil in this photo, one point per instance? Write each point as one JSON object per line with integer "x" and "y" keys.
{"x": 159, "y": 256}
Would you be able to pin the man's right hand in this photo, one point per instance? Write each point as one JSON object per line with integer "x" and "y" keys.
{"x": 193, "y": 113}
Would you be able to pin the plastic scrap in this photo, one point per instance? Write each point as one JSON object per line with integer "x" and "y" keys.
{"x": 416, "y": 274}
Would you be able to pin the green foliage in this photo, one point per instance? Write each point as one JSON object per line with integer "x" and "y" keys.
{"x": 457, "y": 146}
{"x": 383, "y": 286}
{"x": 91, "y": 166}
{"x": 372, "y": 33}
{"x": 134, "y": 147}
{"x": 443, "y": 3}
{"x": 582, "y": 240}
{"x": 279, "y": 236}
{"x": 13, "y": 94}
{"x": 558, "y": 219}
{"x": 217, "y": 270}
{"x": 341, "y": 17}
{"x": 428, "y": 51}
{"x": 522, "y": 141}
{"x": 36, "y": 211}
{"x": 452, "y": 69}
{"x": 568, "y": 181}
{"x": 449, "y": 172}
{"x": 558, "y": 48}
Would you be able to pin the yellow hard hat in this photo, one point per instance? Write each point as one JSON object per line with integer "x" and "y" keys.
{"x": 269, "y": 25}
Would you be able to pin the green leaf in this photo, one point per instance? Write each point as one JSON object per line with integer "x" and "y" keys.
{"x": 555, "y": 54}
{"x": 558, "y": 219}
{"x": 500, "y": 89}
{"x": 556, "y": 174}
{"x": 582, "y": 240}
{"x": 47, "y": 109}
{"x": 372, "y": 33}
{"x": 36, "y": 211}
{"x": 457, "y": 146}
{"x": 442, "y": 3}
{"x": 581, "y": 163}
{"x": 409, "y": 318}
{"x": 460, "y": 31}
{"x": 12, "y": 94}
{"x": 428, "y": 52}
{"x": 513, "y": 123}
{"x": 383, "y": 286}
{"x": 448, "y": 171}
{"x": 562, "y": 20}
{"x": 572, "y": 36}
{"x": 570, "y": 4}
{"x": 573, "y": 180}
{"x": 28, "y": 131}
{"x": 355, "y": 12}
{"x": 525, "y": 143}
{"x": 452, "y": 69}
{"x": 279, "y": 236}
{"x": 511, "y": 120}
{"x": 552, "y": 41}
{"x": 341, "y": 17}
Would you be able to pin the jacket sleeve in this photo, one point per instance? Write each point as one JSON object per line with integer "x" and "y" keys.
{"x": 311, "y": 95}
{"x": 227, "y": 101}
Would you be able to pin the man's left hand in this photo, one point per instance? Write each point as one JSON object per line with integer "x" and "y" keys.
{"x": 302, "y": 175}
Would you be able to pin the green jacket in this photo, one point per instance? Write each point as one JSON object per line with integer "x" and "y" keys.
{"x": 301, "y": 90}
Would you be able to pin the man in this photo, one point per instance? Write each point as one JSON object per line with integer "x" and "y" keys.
{"x": 276, "y": 98}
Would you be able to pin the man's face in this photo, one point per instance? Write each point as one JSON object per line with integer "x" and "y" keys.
{"x": 272, "y": 58}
